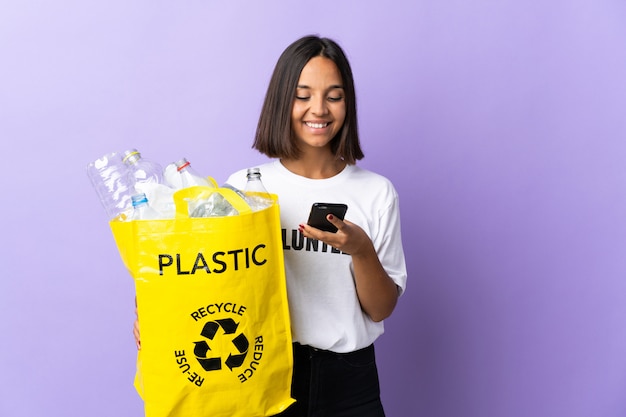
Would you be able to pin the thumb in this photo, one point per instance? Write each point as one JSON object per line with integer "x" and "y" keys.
{"x": 335, "y": 221}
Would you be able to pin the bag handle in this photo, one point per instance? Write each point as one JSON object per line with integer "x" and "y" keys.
{"x": 182, "y": 196}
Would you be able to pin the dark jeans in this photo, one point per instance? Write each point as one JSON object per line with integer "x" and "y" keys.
{"x": 327, "y": 384}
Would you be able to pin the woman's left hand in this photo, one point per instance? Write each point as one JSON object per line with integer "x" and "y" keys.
{"x": 349, "y": 238}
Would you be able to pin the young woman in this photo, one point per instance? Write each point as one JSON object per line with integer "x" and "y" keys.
{"x": 342, "y": 285}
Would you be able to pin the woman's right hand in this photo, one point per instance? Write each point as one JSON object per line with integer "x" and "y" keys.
{"x": 136, "y": 330}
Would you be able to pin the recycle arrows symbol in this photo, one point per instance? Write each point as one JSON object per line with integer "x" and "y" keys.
{"x": 210, "y": 328}
{"x": 209, "y": 331}
{"x": 241, "y": 343}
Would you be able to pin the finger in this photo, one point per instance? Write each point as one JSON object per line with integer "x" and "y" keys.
{"x": 136, "y": 334}
{"x": 307, "y": 231}
{"x": 313, "y": 233}
{"x": 335, "y": 221}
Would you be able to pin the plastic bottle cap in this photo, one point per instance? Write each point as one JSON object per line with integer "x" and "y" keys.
{"x": 138, "y": 199}
{"x": 254, "y": 172}
{"x": 131, "y": 155}
{"x": 182, "y": 164}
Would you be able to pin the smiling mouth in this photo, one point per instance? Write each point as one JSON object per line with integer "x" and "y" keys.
{"x": 316, "y": 125}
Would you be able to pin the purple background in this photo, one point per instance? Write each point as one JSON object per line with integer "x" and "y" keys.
{"x": 500, "y": 122}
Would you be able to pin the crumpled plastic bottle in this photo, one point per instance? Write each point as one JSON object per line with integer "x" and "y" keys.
{"x": 109, "y": 178}
{"x": 215, "y": 205}
{"x": 141, "y": 171}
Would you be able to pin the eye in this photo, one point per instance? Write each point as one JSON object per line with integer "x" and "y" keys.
{"x": 303, "y": 98}
{"x": 335, "y": 99}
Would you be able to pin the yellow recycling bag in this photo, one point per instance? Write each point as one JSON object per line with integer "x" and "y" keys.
{"x": 213, "y": 313}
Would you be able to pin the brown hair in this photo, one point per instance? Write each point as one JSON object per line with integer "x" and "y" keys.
{"x": 274, "y": 136}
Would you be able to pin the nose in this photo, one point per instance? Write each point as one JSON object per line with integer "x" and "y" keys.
{"x": 318, "y": 106}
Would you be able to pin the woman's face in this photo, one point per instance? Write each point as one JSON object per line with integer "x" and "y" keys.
{"x": 319, "y": 108}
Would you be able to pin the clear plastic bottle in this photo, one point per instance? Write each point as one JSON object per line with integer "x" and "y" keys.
{"x": 189, "y": 177}
{"x": 142, "y": 210}
{"x": 108, "y": 175}
{"x": 256, "y": 195}
{"x": 142, "y": 171}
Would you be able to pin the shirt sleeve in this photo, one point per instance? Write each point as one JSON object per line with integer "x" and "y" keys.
{"x": 388, "y": 242}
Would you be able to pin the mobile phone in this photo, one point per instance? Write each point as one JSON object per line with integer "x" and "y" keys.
{"x": 319, "y": 211}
